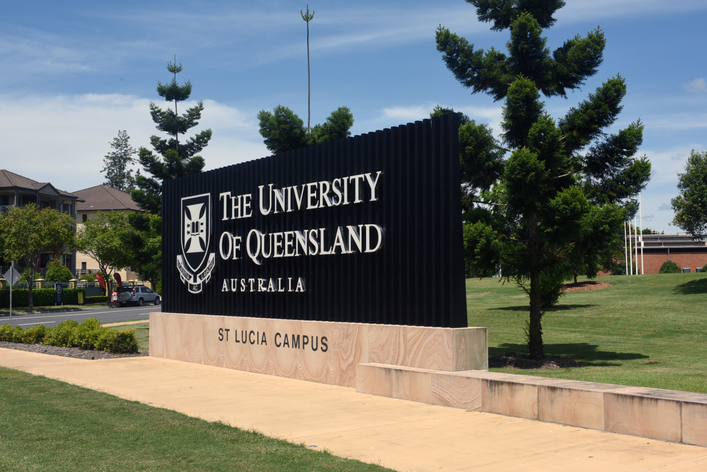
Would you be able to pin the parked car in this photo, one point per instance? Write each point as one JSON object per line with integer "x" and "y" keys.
{"x": 138, "y": 295}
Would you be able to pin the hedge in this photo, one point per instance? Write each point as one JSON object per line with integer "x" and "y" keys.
{"x": 40, "y": 297}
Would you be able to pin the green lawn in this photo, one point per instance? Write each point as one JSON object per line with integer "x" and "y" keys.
{"x": 648, "y": 330}
{"x": 46, "y": 425}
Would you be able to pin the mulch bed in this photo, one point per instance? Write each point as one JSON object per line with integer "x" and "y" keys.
{"x": 584, "y": 286}
{"x": 523, "y": 361}
{"x": 69, "y": 351}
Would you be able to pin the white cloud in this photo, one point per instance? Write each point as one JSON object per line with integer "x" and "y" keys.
{"x": 697, "y": 86}
{"x": 63, "y": 139}
{"x": 407, "y": 114}
{"x": 665, "y": 165}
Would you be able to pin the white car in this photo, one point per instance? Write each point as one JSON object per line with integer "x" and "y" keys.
{"x": 138, "y": 295}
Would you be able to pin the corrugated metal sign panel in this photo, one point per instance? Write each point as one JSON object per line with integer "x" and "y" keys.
{"x": 366, "y": 229}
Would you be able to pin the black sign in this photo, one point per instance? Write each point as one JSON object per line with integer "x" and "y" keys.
{"x": 366, "y": 229}
{"x": 58, "y": 294}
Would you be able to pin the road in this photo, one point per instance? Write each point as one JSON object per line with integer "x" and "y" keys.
{"x": 104, "y": 315}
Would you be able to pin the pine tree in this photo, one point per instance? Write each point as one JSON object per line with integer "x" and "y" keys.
{"x": 284, "y": 131}
{"x": 175, "y": 158}
{"x": 115, "y": 163}
{"x": 553, "y": 198}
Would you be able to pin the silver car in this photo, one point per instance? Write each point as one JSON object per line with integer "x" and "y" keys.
{"x": 138, "y": 295}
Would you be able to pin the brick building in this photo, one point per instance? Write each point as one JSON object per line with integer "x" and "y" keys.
{"x": 690, "y": 255}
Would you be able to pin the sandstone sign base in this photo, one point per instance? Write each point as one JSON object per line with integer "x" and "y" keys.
{"x": 440, "y": 366}
{"x": 326, "y": 352}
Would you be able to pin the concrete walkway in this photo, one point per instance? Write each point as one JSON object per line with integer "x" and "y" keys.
{"x": 397, "y": 434}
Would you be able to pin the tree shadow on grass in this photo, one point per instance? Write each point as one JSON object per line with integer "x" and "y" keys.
{"x": 554, "y": 308}
{"x": 692, "y": 287}
{"x": 582, "y": 352}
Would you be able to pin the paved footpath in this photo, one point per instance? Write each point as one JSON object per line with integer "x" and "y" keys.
{"x": 397, "y": 434}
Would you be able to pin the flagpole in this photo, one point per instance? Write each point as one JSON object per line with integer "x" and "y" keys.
{"x": 635, "y": 226}
{"x": 625, "y": 248}
{"x": 640, "y": 210}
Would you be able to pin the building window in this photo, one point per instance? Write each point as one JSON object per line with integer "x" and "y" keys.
{"x": 83, "y": 266}
{"x": 84, "y": 217}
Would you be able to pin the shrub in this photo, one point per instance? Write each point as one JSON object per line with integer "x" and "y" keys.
{"x": 98, "y": 299}
{"x": 62, "y": 335}
{"x": 87, "y": 333}
{"x": 105, "y": 340}
{"x": 6, "y": 333}
{"x": 58, "y": 273}
{"x": 17, "y": 334}
{"x": 125, "y": 342}
{"x": 619, "y": 268}
{"x": 34, "y": 335}
{"x": 669, "y": 267}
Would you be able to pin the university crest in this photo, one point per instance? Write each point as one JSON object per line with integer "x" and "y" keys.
{"x": 195, "y": 264}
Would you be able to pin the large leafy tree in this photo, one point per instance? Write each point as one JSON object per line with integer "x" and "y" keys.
{"x": 564, "y": 190}
{"x": 27, "y": 233}
{"x": 116, "y": 163}
{"x": 144, "y": 243}
{"x": 101, "y": 237}
{"x": 691, "y": 204}
{"x": 173, "y": 158}
{"x": 284, "y": 131}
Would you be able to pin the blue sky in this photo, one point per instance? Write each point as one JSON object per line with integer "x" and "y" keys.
{"x": 73, "y": 73}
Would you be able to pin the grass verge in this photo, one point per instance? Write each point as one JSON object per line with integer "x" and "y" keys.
{"x": 49, "y": 425}
{"x": 142, "y": 331}
{"x": 646, "y": 331}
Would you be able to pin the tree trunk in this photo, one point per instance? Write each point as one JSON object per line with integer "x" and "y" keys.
{"x": 109, "y": 291}
{"x": 30, "y": 302}
{"x": 535, "y": 332}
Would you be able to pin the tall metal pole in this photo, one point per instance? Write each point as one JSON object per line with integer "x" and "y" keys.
{"x": 630, "y": 248}
{"x": 308, "y": 17}
{"x": 12, "y": 276}
{"x": 626, "y": 247}
{"x": 635, "y": 224}
{"x": 640, "y": 210}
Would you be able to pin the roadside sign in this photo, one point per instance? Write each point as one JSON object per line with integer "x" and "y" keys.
{"x": 11, "y": 276}
{"x": 58, "y": 294}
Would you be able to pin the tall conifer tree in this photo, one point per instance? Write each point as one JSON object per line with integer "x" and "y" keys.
{"x": 174, "y": 158}
{"x": 567, "y": 184}
{"x": 116, "y": 162}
